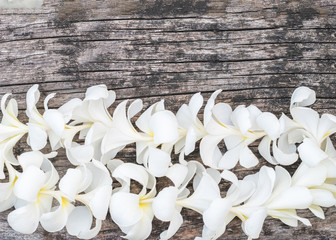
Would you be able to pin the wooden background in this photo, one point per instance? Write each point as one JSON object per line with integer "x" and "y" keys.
{"x": 256, "y": 51}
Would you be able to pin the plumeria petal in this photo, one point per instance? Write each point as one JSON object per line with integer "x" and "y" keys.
{"x": 70, "y": 184}
{"x": 253, "y": 225}
{"x": 7, "y": 198}
{"x": 164, "y": 203}
{"x": 303, "y": 96}
{"x": 37, "y": 137}
{"x": 113, "y": 164}
{"x": 67, "y": 109}
{"x": 79, "y": 220}
{"x": 8, "y": 132}
{"x": 327, "y": 126}
{"x": 80, "y": 154}
{"x": 206, "y": 191}
{"x": 265, "y": 183}
{"x": 158, "y": 162}
{"x": 190, "y": 141}
{"x": 306, "y": 117}
{"x": 282, "y": 180}
{"x": 164, "y": 127}
{"x": 174, "y": 225}
{"x": 222, "y": 112}
{"x": 143, "y": 121}
{"x": 310, "y": 153}
{"x": 34, "y": 158}
{"x": 309, "y": 176}
{"x": 215, "y": 174}
{"x": 100, "y": 175}
{"x": 56, "y": 220}
{"x": 283, "y": 158}
{"x": 247, "y": 158}
{"x": 317, "y": 211}
{"x": 264, "y": 149}
{"x": 90, "y": 233}
{"x": 241, "y": 118}
{"x": 208, "y": 107}
{"x": 296, "y": 197}
{"x": 51, "y": 174}
{"x": 270, "y": 124}
{"x": 208, "y": 150}
{"x": 254, "y": 114}
{"x": 29, "y": 183}
{"x": 177, "y": 174}
{"x": 141, "y": 230}
{"x": 96, "y": 92}
{"x": 323, "y": 198}
{"x": 99, "y": 113}
{"x": 24, "y": 219}
{"x": 55, "y": 120}
{"x": 289, "y": 217}
{"x": 8, "y": 202}
{"x": 195, "y": 103}
{"x": 241, "y": 192}
{"x": 32, "y": 97}
{"x": 230, "y": 176}
{"x": 214, "y": 216}
{"x": 98, "y": 201}
{"x": 124, "y": 209}
{"x": 129, "y": 171}
{"x": 231, "y": 158}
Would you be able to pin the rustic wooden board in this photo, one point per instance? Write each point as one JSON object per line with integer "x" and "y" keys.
{"x": 257, "y": 51}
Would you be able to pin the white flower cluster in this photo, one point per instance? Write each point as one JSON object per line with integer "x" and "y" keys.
{"x": 85, "y": 192}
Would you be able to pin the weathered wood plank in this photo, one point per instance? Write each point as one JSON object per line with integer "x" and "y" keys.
{"x": 258, "y": 52}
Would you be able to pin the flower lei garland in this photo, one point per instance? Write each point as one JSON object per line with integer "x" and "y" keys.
{"x": 85, "y": 192}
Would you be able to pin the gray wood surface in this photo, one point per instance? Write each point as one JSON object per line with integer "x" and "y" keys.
{"x": 257, "y": 51}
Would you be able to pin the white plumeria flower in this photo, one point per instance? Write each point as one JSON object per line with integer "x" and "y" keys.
{"x": 316, "y": 180}
{"x": 34, "y": 190}
{"x": 219, "y": 213}
{"x": 158, "y": 126}
{"x": 267, "y": 192}
{"x": 52, "y": 219}
{"x": 191, "y": 128}
{"x": 12, "y": 130}
{"x": 306, "y": 128}
{"x": 10, "y": 126}
{"x": 272, "y": 193}
{"x": 169, "y": 202}
{"x": 164, "y": 204}
{"x": 6, "y": 153}
{"x": 133, "y": 212}
{"x": 94, "y": 106}
{"x": 93, "y": 113}
{"x": 91, "y": 185}
{"x": 92, "y": 120}
{"x": 26, "y": 159}
{"x": 330, "y": 162}
{"x": 238, "y": 129}
{"x": 7, "y": 197}
{"x": 284, "y": 153}
{"x": 51, "y": 124}
{"x": 274, "y": 196}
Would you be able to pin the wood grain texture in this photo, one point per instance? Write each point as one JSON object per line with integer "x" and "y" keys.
{"x": 257, "y": 51}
